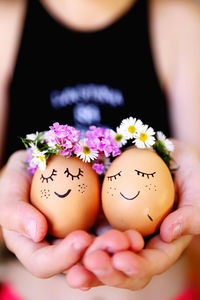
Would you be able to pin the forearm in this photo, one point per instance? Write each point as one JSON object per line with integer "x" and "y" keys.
{"x": 184, "y": 89}
{"x": 3, "y": 119}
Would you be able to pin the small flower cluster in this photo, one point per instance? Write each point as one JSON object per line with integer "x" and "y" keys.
{"x": 143, "y": 136}
{"x": 62, "y": 138}
{"x": 132, "y": 129}
{"x": 96, "y": 146}
{"x": 102, "y": 145}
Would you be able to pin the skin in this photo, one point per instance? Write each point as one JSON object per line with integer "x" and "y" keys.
{"x": 134, "y": 270}
{"x": 129, "y": 265}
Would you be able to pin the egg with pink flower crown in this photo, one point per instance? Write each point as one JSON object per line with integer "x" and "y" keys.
{"x": 66, "y": 167}
{"x": 67, "y": 192}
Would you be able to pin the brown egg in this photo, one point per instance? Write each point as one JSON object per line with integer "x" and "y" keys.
{"x": 138, "y": 191}
{"x": 67, "y": 193}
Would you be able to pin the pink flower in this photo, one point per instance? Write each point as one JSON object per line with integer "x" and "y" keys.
{"x": 100, "y": 139}
{"x": 64, "y": 137}
{"x": 31, "y": 165}
{"x": 99, "y": 168}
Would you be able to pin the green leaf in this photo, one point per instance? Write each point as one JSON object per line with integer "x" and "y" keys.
{"x": 160, "y": 149}
{"x": 26, "y": 142}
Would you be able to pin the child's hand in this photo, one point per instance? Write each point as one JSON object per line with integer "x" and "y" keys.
{"x": 118, "y": 259}
{"x": 161, "y": 251}
{"x": 24, "y": 227}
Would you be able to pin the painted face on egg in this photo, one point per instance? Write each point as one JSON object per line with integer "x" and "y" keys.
{"x": 67, "y": 193}
{"x": 138, "y": 191}
{"x": 48, "y": 187}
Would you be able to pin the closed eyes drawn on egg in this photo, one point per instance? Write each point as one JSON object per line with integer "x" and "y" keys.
{"x": 43, "y": 178}
{"x": 114, "y": 176}
{"x": 80, "y": 173}
{"x": 143, "y": 174}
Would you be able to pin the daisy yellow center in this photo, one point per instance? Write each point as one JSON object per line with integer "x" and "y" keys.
{"x": 131, "y": 129}
{"x": 86, "y": 150}
{"x": 118, "y": 137}
{"x": 41, "y": 158}
{"x": 143, "y": 137}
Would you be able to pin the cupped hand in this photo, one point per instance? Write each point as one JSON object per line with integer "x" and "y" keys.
{"x": 24, "y": 227}
{"x": 97, "y": 259}
{"x": 118, "y": 259}
{"x": 127, "y": 269}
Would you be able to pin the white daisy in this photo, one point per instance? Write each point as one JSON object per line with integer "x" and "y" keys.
{"x": 32, "y": 136}
{"x": 145, "y": 137}
{"x": 39, "y": 158}
{"x": 130, "y": 126}
{"x": 166, "y": 142}
{"x": 51, "y": 145}
{"x": 86, "y": 153}
{"x": 118, "y": 136}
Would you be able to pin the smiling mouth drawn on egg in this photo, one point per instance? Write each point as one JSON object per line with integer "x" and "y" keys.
{"x": 130, "y": 198}
{"x": 63, "y": 195}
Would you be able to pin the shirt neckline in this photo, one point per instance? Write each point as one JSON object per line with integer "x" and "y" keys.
{"x": 74, "y": 31}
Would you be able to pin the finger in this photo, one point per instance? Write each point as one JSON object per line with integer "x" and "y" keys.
{"x": 136, "y": 240}
{"x": 44, "y": 260}
{"x": 15, "y": 212}
{"x": 80, "y": 278}
{"x": 100, "y": 264}
{"x": 160, "y": 255}
{"x": 17, "y": 163}
{"x": 184, "y": 221}
{"x": 23, "y": 218}
{"x": 111, "y": 241}
{"x": 134, "y": 266}
{"x": 155, "y": 259}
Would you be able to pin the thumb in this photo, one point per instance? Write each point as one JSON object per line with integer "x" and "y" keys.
{"x": 16, "y": 213}
{"x": 184, "y": 221}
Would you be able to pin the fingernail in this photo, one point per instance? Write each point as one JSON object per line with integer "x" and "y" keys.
{"x": 176, "y": 232}
{"x": 31, "y": 229}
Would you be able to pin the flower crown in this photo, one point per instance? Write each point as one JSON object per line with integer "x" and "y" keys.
{"x": 97, "y": 146}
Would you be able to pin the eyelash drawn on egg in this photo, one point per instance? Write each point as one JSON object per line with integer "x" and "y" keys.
{"x": 114, "y": 176}
{"x": 145, "y": 174}
{"x": 80, "y": 173}
{"x": 54, "y": 173}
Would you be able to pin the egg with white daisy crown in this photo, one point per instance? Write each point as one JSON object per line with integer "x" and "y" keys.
{"x": 67, "y": 192}
{"x": 138, "y": 191}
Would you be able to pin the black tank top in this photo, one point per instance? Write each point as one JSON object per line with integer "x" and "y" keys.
{"x": 80, "y": 79}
